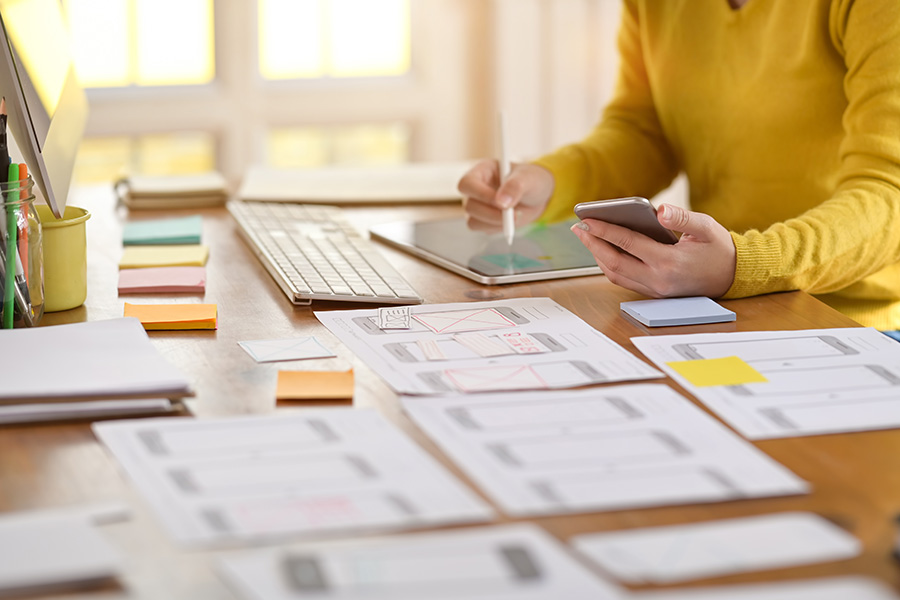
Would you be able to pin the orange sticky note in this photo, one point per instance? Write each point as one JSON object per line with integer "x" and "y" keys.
{"x": 173, "y": 316}
{"x": 315, "y": 385}
{"x": 730, "y": 370}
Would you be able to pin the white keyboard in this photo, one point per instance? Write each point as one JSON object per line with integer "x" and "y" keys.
{"x": 313, "y": 253}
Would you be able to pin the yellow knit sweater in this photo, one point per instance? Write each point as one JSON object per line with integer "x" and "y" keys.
{"x": 785, "y": 116}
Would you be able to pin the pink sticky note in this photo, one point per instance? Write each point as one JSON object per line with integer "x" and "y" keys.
{"x": 162, "y": 280}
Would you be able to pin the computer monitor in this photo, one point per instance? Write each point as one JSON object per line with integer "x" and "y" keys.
{"x": 46, "y": 105}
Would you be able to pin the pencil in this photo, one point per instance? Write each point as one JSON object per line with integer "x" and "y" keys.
{"x": 12, "y": 229}
{"x": 509, "y": 214}
{"x": 23, "y": 230}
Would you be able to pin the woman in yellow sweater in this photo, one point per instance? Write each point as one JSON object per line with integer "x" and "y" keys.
{"x": 785, "y": 116}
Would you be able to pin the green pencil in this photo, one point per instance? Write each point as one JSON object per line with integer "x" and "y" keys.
{"x": 12, "y": 230}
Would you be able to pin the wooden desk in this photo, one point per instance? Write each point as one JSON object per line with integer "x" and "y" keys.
{"x": 855, "y": 477}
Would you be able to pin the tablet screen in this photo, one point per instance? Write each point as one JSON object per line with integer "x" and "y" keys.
{"x": 536, "y": 248}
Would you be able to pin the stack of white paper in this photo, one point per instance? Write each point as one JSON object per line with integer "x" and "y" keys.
{"x": 93, "y": 360}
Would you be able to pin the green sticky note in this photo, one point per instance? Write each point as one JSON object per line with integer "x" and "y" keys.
{"x": 511, "y": 261}
{"x": 709, "y": 372}
{"x": 184, "y": 230}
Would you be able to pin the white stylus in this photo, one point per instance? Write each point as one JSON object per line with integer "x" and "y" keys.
{"x": 509, "y": 214}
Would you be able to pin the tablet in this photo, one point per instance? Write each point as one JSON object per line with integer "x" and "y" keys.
{"x": 538, "y": 252}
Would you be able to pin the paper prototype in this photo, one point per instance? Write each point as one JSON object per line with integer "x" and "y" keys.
{"x": 43, "y": 550}
{"x": 832, "y": 588}
{"x": 140, "y": 257}
{"x": 97, "y": 359}
{"x": 153, "y": 280}
{"x": 314, "y": 385}
{"x": 697, "y": 310}
{"x": 393, "y": 317}
{"x": 301, "y": 348}
{"x": 428, "y": 359}
{"x": 662, "y": 555}
{"x": 818, "y": 380}
{"x": 183, "y": 230}
{"x": 507, "y": 562}
{"x": 316, "y": 472}
{"x": 574, "y": 451}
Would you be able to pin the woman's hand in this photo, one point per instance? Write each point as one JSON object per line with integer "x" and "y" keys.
{"x": 528, "y": 189}
{"x": 702, "y": 263}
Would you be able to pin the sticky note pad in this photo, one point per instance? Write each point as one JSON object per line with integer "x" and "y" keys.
{"x": 185, "y": 230}
{"x": 162, "y": 280}
{"x": 141, "y": 257}
{"x": 697, "y": 310}
{"x": 730, "y": 370}
{"x": 173, "y": 316}
{"x": 315, "y": 385}
{"x": 290, "y": 349}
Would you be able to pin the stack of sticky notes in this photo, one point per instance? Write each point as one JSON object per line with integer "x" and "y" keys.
{"x": 163, "y": 256}
{"x": 173, "y": 316}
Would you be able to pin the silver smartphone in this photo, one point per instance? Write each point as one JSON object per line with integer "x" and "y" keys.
{"x": 637, "y": 214}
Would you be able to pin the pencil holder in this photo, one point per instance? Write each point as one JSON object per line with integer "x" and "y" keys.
{"x": 21, "y": 256}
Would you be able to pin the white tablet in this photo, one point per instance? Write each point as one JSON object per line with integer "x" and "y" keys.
{"x": 538, "y": 251}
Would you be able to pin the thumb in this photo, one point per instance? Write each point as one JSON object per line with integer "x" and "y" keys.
{"x": 684, "y": 221}
{"x": 513, "y": 189}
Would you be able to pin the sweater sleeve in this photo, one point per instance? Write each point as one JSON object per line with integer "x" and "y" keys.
{"x": 627, "y": 153}
{"x": 856, "y": 232}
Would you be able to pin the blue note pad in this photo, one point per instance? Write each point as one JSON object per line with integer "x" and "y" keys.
{"x": 184, "y": 230}
{"x": 677, "y": 311}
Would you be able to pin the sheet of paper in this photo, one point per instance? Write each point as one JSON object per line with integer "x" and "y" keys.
{"x": 58, "y": 411}
{"x": 314, "y": 385}
{"x": 572, "y": 352}
{"x": 321, "y": 471}
{"x": 155, "y": 280}
{"x": 43, "y": 550}
{"x": 140, "y": 257}
{"x": 508, "y": 562}
{"x": 96, "y": 359}
{"x": 183, "y": 230}
{"x": 817, "y": 381}
{"x": 545, "y": 453}
{"x": 301, "y": 348}
{"x": 412, "y": 182}
{"x": 663, "y": 555}
{"x": 173, "y": 316}
{"x": 835, "y": 588}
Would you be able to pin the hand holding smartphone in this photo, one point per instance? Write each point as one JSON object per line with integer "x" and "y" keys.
{"x": 634, "y": 213}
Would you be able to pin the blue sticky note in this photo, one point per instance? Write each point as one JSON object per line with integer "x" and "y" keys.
{"x": 511, "y": 261}
{"x": 697, "y": 310}
{"x": 183, "y": 230}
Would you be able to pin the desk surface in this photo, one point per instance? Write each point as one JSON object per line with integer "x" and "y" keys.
{"x": 855, "y": 477}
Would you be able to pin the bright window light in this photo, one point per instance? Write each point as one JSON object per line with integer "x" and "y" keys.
{"x": 365, "y": 144}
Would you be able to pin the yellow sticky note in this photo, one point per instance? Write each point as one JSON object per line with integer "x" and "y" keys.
{"x": 173, "y": 316}
{"x": 315, "y": 385}
{"x": 730, "y": 370}
{"x": 140, "y": 257}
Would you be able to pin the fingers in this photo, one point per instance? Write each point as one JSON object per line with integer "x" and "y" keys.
{"x": 481, "y": 181}
{"x": 678, "y": 219}
{"x": 617, "y": 265}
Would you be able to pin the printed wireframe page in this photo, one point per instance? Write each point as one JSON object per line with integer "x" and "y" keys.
{"x": 610, "y": 448}
{"x": 471, "y": 347}
{"x": 664, "y": 555}
{"x": 832, "y": 588}
{"x": 322, "y": 471}
{"x": 812, "y": 381}
{"x": 510, "y": 562}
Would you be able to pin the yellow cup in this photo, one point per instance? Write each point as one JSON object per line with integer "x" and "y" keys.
{"x": 65, "y": 258}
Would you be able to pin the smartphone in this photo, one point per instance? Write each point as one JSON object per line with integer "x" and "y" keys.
{"x": 637, "y": 214}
